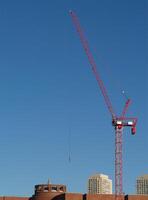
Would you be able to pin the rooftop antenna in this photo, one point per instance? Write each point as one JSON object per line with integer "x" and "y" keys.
{"x": 48, "y": 182}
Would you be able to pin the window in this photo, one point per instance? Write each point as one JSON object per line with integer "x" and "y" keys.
{"x": 54, "y": 189}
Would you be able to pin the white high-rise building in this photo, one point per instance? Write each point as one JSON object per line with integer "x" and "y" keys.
{"x": 99, "y": 184}
{"x": 142, "y": 184}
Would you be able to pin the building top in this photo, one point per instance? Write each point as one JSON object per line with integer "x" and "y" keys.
{"x": 145, "y": 176}
{"x": 97, "y": 175}
{"x": 51, "y": 188}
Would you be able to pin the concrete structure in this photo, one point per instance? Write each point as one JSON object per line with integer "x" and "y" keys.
{"x": 99, "y": 184}
{"x": 142, "y": 185}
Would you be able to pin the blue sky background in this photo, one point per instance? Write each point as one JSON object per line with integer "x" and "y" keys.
{"x": 50, "y": 104}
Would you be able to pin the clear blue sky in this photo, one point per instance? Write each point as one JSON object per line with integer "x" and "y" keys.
{"x": 48, "y": 93}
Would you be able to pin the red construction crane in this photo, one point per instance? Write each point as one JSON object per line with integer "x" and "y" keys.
{"x": 118, "y": 122}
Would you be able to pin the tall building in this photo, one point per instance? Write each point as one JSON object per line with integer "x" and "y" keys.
{"x": 142, "y": 184}
{"x": 99, "y": 184}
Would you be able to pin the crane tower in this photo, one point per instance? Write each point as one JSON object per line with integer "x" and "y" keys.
{"x": 118, "y": 122}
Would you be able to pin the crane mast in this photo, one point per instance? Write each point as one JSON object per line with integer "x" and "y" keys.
{"x": 118, "y": 122}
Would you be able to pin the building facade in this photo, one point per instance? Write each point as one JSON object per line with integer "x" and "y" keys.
{"x": 58, "y": 192}
{"x": 99, "y": 184}
{"x": 142, "y": 185}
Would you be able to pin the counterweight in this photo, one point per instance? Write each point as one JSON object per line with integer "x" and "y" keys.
{"x": 118, "y": 122}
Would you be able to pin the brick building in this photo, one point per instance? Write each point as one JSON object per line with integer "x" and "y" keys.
{"x": 58, "y": 192}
